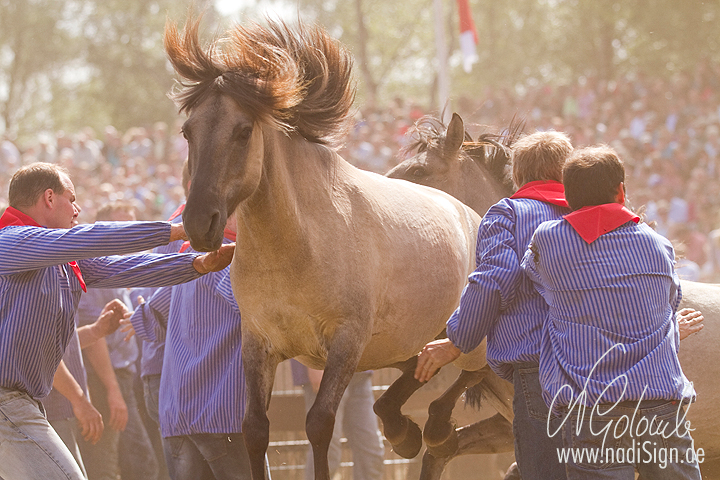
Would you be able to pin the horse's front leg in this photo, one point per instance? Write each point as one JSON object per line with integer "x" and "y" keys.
{"x": 259, "y": 366}
{"x": 343, "y": 357}
{"x": 403, "y": 434}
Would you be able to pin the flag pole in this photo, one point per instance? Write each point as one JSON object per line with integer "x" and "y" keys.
{"x": 443, "y": 76}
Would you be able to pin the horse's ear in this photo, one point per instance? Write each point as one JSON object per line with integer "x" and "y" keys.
{"x": 455, "y": 136}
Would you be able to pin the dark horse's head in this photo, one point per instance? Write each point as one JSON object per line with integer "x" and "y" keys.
{"x": 293, "y": 80}
{"x": 448, "y": 159}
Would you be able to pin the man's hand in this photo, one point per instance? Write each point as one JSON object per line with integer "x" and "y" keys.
{"x": 689, "y": 322}
{"x": 110, "y": 317}
{"x": 433, "y": 357}
{"x": 126, "y": 326}
{"x": 215, "y": 261}
{"x": 118, "y": 410}
{"x": 177, "y": 232}
{"x": 90, "y": 420}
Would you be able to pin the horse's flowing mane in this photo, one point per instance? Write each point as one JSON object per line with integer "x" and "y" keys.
{"x": 294, "y": 79}
{"x": 427, "y": 133}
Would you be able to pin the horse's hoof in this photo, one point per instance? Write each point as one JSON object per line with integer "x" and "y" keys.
{"x": 437, "y": 431}
{"x": 446, "y": 448}
{"x": 411, "y": 445}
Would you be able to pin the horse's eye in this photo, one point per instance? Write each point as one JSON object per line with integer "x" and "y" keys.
{"x": 184, "y": 132}
{"x": 417, "y": 172}
{"x": 242, "y": 135}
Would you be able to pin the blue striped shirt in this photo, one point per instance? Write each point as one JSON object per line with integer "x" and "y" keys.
{"x": 40, "y": 293}
{"x": 611, "y": 321}
{"x": 57, "y": 407}
{"x": 202, "y": 388}
{"x": 499, "y": 301}
{"x": 151, "y": 360}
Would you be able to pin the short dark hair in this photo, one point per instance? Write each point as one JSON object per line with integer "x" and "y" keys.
{"x": 30, "y": 182}
{"x": 591, "y": 176}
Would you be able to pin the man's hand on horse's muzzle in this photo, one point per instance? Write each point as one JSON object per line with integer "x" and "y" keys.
{"x": 215, "y": 261}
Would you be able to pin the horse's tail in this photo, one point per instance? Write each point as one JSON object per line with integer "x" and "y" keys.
{"x": 474, "y": 396}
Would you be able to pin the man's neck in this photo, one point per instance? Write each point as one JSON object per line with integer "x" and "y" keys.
{"x": 34, "y": 213}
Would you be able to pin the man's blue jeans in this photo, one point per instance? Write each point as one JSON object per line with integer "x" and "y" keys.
{"x": 630, "y": 444}
{"x": 29, "y": 447}
{"x": 207, "y": 456}
{"x": 536, "y": 453}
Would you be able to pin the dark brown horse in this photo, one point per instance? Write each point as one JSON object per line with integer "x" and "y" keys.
{"x": 332, "y": 263}
{"x": 447, "y": 158}
{"x": 442, "y": 169}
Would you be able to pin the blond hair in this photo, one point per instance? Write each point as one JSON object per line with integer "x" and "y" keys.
{"x": 540, "y": 156}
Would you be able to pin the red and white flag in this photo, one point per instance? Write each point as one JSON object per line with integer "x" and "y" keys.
{"x": 468, "y": 35}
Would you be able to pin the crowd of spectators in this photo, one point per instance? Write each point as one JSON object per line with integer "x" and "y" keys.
{"x": 666, "y": 129}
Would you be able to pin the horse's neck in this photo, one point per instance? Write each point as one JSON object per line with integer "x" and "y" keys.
{"x": 482, "y": 189}
{"x": 296, "y": 181}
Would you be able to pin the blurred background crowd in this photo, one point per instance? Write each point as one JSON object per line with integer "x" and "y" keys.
{"x": 666, "y": 130}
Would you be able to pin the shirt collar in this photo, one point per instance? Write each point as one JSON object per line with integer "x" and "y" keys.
{"x": 13, "y": 216}
{"x": 548, "y": 191}
{"x": 593, "y": 221}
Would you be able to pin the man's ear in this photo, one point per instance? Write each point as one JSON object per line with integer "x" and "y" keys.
{"x": 48, "y": 198}
{"x": 620, "y": 196}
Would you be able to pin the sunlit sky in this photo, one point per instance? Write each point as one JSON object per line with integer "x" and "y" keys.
{"x": 229, "y": 7}
{"x": 232, "y": 7}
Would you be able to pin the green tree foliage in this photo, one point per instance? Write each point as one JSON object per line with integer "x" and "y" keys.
{"x": 35, "y": 44}
{"x": 393, "y": 43}
{"x": 521, "y": 42}
{"x": 66, "y": 64}
{"x": 127, "y": 74}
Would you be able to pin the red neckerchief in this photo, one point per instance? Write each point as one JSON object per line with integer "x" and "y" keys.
{"x": 548, "y": 191}
{"x": 13, "y": 216}
{"x": 229, "y": 234}
{"x": 591, "y": 222}
{"x": 177, "y": 213}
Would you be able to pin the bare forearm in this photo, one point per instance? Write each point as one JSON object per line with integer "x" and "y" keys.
{"x": 98, "y": 356}
{"x": 88, "y": 335}
{"x": 65, "y": 383}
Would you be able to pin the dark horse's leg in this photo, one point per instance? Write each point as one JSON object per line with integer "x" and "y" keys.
{"x": 342, "y": 360}
{"x": 439, "y": 433}
{"x": 259, "y": 368}
{"x": 403, "y": 434}
{"x": 492, "y": 435}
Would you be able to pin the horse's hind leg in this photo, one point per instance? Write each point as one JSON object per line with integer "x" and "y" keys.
{"x": 403, "y": 434}
{"x": 439, "y": 432}
{"x": 259, "y": 369}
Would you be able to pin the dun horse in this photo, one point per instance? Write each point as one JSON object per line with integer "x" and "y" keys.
{"x": 461, "y": 175}
{"x": 343, "y": 269}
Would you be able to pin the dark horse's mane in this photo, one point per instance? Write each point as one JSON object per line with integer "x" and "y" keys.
{"x": 490, "y": 151}
{"x": 295, "y": 79}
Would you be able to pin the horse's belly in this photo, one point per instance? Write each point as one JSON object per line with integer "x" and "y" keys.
{"x": 698, "y": 356}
